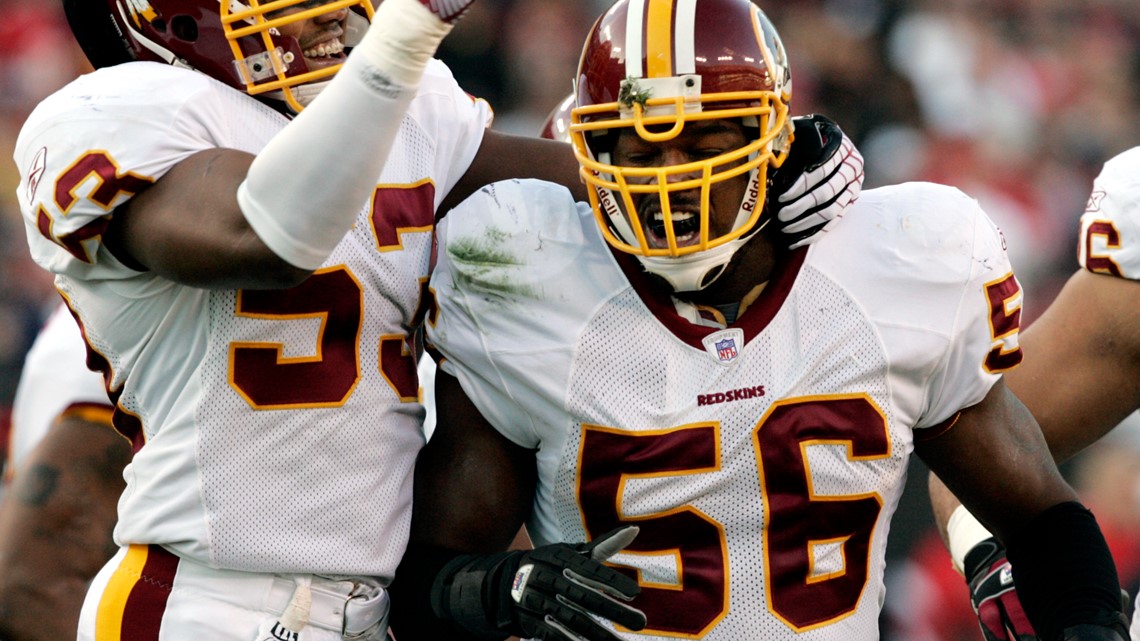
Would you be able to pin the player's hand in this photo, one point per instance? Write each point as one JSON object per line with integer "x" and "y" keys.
{"x": 993, "y": 595}
{"x": 821, "y": 176}
{"x": 448, "y": 10}
{"x": 547, "y": 593}
{"x": 999, "y": 611}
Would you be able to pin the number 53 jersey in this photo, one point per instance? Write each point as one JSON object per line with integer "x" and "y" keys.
{"x": 762, "y": 461}
{"x": 276, "y": 429}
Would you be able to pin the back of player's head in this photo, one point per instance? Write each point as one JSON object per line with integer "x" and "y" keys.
{"x": 251, "y": 46}
{"x": 651, "y": 67}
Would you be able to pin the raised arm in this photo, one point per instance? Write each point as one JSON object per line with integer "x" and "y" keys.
{"x": 223, "y": 218}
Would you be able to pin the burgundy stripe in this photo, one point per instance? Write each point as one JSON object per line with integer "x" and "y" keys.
{"x": 142, "y": 616}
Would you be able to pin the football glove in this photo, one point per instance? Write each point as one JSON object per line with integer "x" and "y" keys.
{"x": 552, "y": 592}
{"x": 993, "y": 595}
{"x": 995, "y": 601}
{"x": 448, "y": 10}
{"x": 821, "y": 176}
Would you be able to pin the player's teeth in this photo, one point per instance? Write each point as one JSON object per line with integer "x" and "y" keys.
{"x": 678, "y": 216}
{"x": 325, "y": 49}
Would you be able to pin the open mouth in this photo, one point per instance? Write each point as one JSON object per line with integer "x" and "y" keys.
{"x": 686, "y": 229}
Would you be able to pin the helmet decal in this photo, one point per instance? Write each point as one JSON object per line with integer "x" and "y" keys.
{"x": 141, "y": 8}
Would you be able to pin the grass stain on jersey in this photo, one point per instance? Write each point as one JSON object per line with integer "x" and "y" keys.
{"x": 482, "y": 265}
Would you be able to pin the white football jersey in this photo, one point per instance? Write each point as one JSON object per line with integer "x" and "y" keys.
{"x": 762, "y": 461}
{"x": 54, "y": 381}
{"x": 275, "y": 430}
{"x": 1110, "y": 226}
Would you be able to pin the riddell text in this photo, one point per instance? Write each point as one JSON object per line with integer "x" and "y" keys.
{"x": 742, "y": 394}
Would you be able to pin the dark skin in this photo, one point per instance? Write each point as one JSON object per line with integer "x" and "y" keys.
{"x": 216, "y": 248}
{"x": 474, "y": 487}
{"x": 55, "y": 527}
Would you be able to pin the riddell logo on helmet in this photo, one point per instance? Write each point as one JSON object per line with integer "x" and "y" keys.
{"x": 609, "y": 204}
{"x": 741, "y": 394}
{"x": 753, "y": 194}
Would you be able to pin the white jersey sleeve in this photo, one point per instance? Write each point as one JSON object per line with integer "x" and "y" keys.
{"x": 457, "y": 121}
{"x": 1110, "y": 226}
{"x": 54, "y": 381}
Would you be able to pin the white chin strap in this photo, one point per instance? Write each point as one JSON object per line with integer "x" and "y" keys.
{"x": 694, "y": 272}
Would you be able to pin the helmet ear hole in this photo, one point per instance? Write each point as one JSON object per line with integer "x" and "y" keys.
{"x": 184, "y": 28}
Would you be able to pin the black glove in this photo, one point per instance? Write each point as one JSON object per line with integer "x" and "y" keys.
{"x": 547, "y": 593}
{"x": 821, "y": 176}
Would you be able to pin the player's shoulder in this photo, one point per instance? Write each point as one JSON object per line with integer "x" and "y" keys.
{"x": 911, "y": 218}
{"x": 527, "y": 232}
{"x": 913, "y": 242}
{"x": 1115, "y": 195}
{"x": 518, "y": 211}
{"x": 1110, "y": 225}
{"x": 1122, "y": 171}
{"x": 140, "y": 89}
{"x": 144, "y": 109}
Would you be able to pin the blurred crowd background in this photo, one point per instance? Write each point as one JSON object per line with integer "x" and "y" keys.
{"x": 1016, "y": 102}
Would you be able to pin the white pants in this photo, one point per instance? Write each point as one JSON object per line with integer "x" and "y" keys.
{"x": 145, "y": 593}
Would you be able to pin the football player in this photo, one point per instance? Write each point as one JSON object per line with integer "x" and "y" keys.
{"x": 1080, "y": 378}
{"x": 63, "y": 477}
{"x": 239, "y": 213}
{"x": 653, "y": 381}
{"x": 247, "y": 269}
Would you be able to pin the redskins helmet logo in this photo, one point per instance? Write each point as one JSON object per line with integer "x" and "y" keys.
{"x": 141, "y": 8}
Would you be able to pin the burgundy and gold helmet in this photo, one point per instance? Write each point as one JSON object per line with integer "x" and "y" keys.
{"x": 655, "y": 65}
{"x": 557, "y": 124}
{"x": 234, "y": 41}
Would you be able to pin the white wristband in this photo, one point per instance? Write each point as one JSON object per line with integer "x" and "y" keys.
{"x": 306, "y": 187}
{"x": 402, "y": 39}
{"x": 964, "y": 532}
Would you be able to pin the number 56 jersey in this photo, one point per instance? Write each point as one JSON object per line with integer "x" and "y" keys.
{"x": 276, "y": 429}
{"x": 761, "y": 460}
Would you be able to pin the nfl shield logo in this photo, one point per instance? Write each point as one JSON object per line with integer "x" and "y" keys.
{"x": 724, "y": 345}
{"x": 726, "y": 349}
